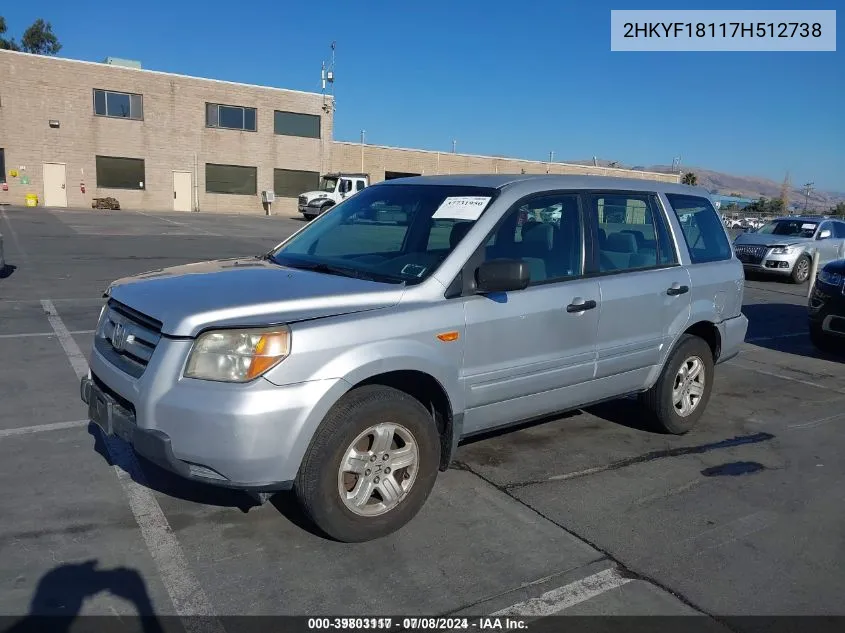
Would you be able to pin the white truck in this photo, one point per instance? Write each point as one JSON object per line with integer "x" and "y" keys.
{"x": 334, "y": 188}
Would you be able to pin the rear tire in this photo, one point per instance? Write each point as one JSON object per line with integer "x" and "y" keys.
{"x": 679, "y": 397}
{"x": 801, "y": 270}
{"x": 371, "y": 465}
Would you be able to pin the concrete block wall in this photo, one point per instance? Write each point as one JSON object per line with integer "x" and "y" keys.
{"x": 173, "y": 135}
{"x": 376, "y": 159}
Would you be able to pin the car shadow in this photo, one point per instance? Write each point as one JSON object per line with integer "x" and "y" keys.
{"x": 782, "y": 327}
{"x": 62, "y": 592}
{"x": 7, "y": 270}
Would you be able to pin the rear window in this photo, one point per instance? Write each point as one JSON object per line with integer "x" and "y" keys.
{"x": 702, "y": 228}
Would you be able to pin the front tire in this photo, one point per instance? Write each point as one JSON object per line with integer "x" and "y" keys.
{"x": 371, "y": 465}
{"x": 679, "y": 397}
{"x": 801, "y": 270}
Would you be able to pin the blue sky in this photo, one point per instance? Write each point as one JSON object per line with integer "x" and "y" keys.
{"x": 517, "y": 79}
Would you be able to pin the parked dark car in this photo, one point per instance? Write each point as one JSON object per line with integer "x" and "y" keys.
{"x": 827, "y": 308}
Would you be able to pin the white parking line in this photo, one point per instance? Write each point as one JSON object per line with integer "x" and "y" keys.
{"x": 186, "y": 593}
{"x": 557, "y": 600}
{"x": 809, "y": 383}
{"x": 184, "y": 224}
{"x": 31, "y": 334}
{"x": 40, "y": 428}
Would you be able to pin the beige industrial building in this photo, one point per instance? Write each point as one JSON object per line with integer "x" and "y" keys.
{"x": 72, "y": 131}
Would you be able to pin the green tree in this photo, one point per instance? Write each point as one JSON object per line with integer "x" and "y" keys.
{"x": 38, "y": 39}
{"x": 689, "y": 178}
{"x": 839, "y": 209}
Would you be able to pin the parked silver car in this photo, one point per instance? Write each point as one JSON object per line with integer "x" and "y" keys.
{"x": 349, "y": 361}
{"x": 785, "y": 246}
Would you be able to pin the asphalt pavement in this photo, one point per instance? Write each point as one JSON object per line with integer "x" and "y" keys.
{"x": 581, "y": 514}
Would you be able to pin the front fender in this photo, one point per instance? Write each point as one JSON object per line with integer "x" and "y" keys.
{"x": 363, "y": 362}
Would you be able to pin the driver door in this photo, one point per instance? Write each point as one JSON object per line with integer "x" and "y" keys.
{"x": 526, "y": 352}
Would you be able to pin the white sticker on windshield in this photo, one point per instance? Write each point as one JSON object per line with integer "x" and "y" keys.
{"x": 808, "y": 226}
{"x": 461, "y": 208}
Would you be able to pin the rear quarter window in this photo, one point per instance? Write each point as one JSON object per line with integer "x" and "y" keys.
{"x": 703, "y": 230}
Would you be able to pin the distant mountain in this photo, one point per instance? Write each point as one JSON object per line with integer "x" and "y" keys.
{"x": 745, "y": 186}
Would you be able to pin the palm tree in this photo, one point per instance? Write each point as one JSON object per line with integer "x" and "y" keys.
{"x": 689, "y": 178}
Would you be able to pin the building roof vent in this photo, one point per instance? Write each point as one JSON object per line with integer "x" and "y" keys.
{"x": 126, "y": 63}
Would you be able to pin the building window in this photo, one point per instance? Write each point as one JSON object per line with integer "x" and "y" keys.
{"x": 121, "y": 105}
{"x": 233, "y": 179}
{"x": 289, "y": 183}
{"x": 230, "y": 117}
{"x": 296, "y": 124}
{"x": 120, "y": 173}
{"x": 2, "y": 165}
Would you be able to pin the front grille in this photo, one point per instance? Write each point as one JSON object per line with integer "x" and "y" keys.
{"x": 127, "y": 338}
{"x": 748, "y": 254}
{"x": 303, "y": 201}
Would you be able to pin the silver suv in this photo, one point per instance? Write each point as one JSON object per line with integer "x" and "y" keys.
{"x": 348, "y": 362}
{"x": 785, "y": 246}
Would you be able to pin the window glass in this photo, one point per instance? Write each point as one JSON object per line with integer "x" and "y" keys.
{"x": 2, "y": 165}
{"x": 296, "y": 124}
{"x": 230, "y": 117}
{"x": 120, "y": 173}
{"x": 122, "y": 105}
{"x": 703, "y": 231}
{"x": 631, "y": 233}
{"x": 289, "y": 183}
{"x": 838, "y": 227}
{"x": 100, "y": 102}
{"x": 233, "y": 179}
{"x": 790, "y": 228}
{"x": 546, "y": 233}
{"x": 117, "y": 104}
{"x": 359, "y": 185}
{"x": 384, "y": 233}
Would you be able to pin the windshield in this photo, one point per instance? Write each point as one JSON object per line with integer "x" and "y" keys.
{"x": 790, "y": 228}
{"x": 389, "y": 233}
{"x": 328, "y": 184}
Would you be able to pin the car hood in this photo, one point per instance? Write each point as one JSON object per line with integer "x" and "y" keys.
{"x": 315, "y": 194}
{"x": 767, "y": 239}
{"x": 245, "y": 292}
{"x": 836, "y": 266}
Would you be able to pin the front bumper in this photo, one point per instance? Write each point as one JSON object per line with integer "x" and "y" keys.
{"x": 248, "y": 436}
{"x": 826, "y": 309}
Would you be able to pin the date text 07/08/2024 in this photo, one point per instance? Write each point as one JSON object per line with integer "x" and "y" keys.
{"x": 486, "y": 623}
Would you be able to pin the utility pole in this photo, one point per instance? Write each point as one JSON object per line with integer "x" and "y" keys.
{"x": 551, "y": 160}
{"x": 363, "y": 132}
{"x": 808, "y": 187}
{"x": 454, "y": 145}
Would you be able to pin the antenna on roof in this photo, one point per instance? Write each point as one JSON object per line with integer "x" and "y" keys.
{"x": 327, "y": 77}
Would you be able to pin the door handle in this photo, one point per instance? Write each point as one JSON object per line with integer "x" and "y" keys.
{"x": 579, "y": 305}
{"x": 677, "y": 289}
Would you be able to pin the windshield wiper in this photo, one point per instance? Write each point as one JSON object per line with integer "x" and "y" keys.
{"x": 325, "y": 268}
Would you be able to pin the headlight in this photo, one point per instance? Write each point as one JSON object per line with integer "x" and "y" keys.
{"x": 784, "y": 250}
{"x": 827, "y": 277}
{"x": 237, "y": 355}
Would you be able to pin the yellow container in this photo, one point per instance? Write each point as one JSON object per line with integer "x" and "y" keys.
{"x": 32, "y": 200}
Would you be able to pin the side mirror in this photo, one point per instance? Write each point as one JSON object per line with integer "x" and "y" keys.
{"x": 502, "y": 275}
{"x": 823, "y": 235}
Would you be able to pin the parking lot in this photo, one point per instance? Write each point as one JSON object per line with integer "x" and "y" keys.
{"x": 583, "y": 514}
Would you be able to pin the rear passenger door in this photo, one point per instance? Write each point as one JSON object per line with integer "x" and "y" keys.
{"x": 645, "y": 294}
